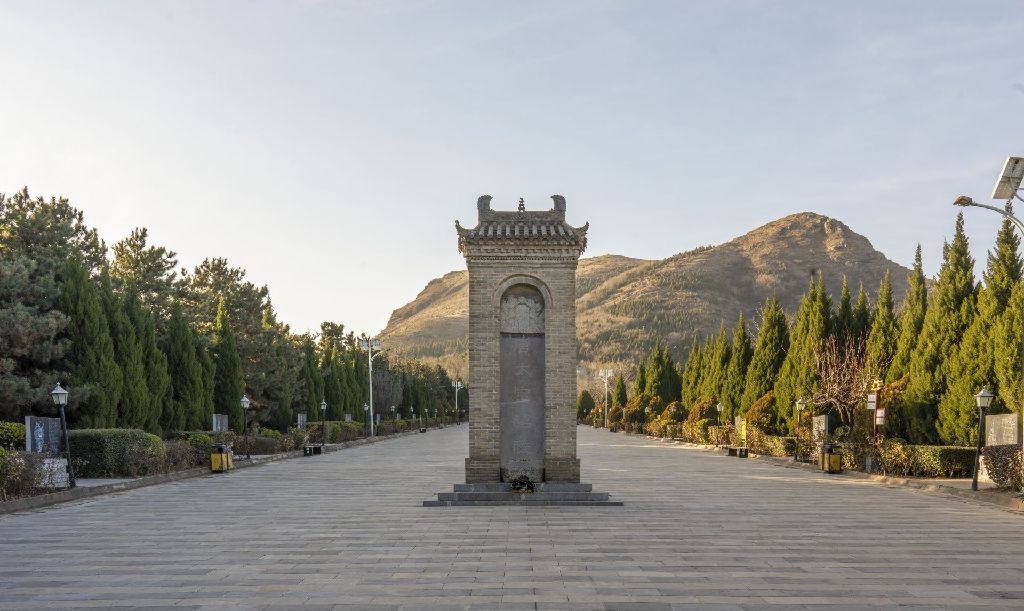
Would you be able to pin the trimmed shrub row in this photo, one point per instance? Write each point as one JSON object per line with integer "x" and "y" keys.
{"x": 902, "y": 459}
{"x": 116, "y": 452}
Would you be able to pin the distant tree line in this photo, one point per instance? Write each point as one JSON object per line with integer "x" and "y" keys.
{"x": 931, "y": 355}
{"x": 141, "y": 344}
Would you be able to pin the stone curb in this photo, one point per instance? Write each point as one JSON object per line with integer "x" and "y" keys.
{"x": 75, "y": 494}
{"x": 1007, "y": 500}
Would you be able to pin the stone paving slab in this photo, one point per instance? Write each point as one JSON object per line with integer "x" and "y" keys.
{"x": 346, "y": 531}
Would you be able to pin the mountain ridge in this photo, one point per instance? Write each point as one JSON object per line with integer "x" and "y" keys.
{"x": 625, "y": 304}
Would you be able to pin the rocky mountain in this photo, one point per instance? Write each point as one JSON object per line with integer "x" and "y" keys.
{"x": 625, "y": 305}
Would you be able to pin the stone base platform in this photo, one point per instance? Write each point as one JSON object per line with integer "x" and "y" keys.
{"x": 544, "y": 493}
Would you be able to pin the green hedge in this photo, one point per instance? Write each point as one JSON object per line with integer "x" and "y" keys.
{"x": 904, "y": 460}
{"x": 1003, "y": 464}
{"x": 116, "y": 452}
{"x": 12, "y": 436}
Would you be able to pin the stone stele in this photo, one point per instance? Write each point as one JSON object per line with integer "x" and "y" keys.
{"x": 522, "y": 359}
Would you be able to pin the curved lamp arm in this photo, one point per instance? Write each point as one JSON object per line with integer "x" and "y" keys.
{"x": 966, "y": 201}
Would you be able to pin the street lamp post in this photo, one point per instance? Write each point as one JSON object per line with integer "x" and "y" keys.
{"x": 366, "y": 414}
{"x": 60, "y": 399}
{"x": 372, "y": 349}
{"x": 983, "y": 400}
{"x": 457, "y": 385}
{"x": 323, "y": 425}
{"x": 245, "y": 425}
{"x": 718, "y": 408}
{"x": 800, "y": 404}
{"x": 606, "y": 374}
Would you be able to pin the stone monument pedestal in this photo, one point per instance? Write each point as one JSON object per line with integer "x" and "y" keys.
{"x": 522, "y": 360}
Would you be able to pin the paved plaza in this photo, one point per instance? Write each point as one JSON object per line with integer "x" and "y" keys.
{"x": 346, "y": 531}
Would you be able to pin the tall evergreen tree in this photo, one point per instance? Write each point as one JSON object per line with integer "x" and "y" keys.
{"x": 950, "y": 312}
{"x": 229, "y": 385}
{"x": 973, "y": 366}
{"x": 640, "y": 382}
{"x": 881, "y": 343}
{"x": 618, "y": 392}
{"x": 716, "y": 364}
{"x": 860, "y": 322}
{"x": 736, "y": 374}
{"x": 158, "y": 380}
{"x": 185, "y": 405}
{"x": 690, "y": 393}
{"x": 312, "y": 385}
{"x": 584, "y": 405}
{"x": 149, "y": 270}
{"x": 769, "y": 354}
{"x": 133, "y": 406}
{"x": 329, "y": 371}
{"x": 844, "y": 314}
{"x": 911, "y": 320}
{"x": 93, "y": 371}
{"x": 799, "y": 374}
{"x": 1009, "y": 342}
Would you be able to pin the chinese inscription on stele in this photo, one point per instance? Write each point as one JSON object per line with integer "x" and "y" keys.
{"x": 522, "y": 383}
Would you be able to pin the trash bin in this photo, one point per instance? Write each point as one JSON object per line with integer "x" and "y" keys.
{"x": 307, "y": 450}
{"x": 831, "y": 461}
{"x": 741, "y": 452}
{"x": 221, "y": 458}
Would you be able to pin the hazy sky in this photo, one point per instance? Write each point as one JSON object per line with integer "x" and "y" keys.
{"x": 327, "y": 147}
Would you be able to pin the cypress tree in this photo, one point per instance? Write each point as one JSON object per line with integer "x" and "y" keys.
{"x": 154, "y": 361}
{"x": 228, "y": 384}
{"x": 911, "y": 320}
{"x": 799, "y": 376}
{"x": 881, "y": 343}
{"x": 94, "y": 375}
{"x": 950, "y": 312}
{"x": 332, "y": 385}
{"x": 860, "y": 322}
{"x": 973, "y": 366}
{"x": 690, "y": 393}
{"x": 640, "y": 382}
{"x": 312, "y": 384}
{"x": 769, "y": 353}
{"x": 134, "y": 404}
{"x": 208, "y": 371}
{"x": 1009, "y": 342}
{"x": 584, "y": 405}
{"x": 618, "y": 392}
{"x": 844, "y": 314}
{"x": 716, "y": 364}
{"x": 736, "y": 374}
{"x": 185, "y": 405}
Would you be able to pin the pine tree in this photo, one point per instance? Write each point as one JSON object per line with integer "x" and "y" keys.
{"x": 798, "y": 377}
{"x": 973, "y": 366}
{"x": 950, "y": 312}
{"x": 911, "y": 320}
{"x": 736, "y": 373}
{"x": 229, "y": 385}
{"x": 769, "y": 353}
{"x": 881, "y": 343}
{"x": 94, "y": 375}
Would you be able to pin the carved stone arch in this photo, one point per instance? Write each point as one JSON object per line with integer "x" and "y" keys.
{"x": 528, "y": 280}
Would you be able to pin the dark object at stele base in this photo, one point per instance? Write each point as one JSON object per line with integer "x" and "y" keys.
{"x": 522, "y": 484}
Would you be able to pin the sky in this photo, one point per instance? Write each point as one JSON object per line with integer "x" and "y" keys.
{"x": 328, "y": 147}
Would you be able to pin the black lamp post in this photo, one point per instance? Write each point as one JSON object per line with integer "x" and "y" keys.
{"x": 245, "y": 425}
{"x": 800, "y": 404}
{"x": 60, "y": 399}
{"x": 323, "y": 425}
{"x": 983, "y": 400}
